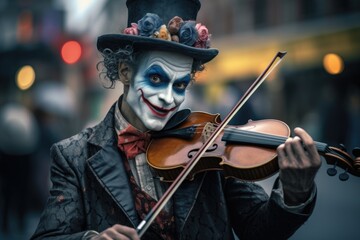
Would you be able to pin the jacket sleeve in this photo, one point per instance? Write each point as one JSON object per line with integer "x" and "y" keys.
{"x": 63, "y": 216}
{"x": 256, "y": 216}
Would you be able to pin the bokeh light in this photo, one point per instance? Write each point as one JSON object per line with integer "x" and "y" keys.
{"x": 71, "y": 52}
{"x": 333, "y": 63}
{"x": 25, "y": 77}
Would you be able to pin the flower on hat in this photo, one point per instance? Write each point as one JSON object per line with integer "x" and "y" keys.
{"x": 188, "y": 33}
{"x": 133, "y": 30}
{"x": 163, "y": 33}
{"x": 149, "y": 24}
{"x": 175, "y": 24}
{"x": 177, "y": 30}
{"x": 203, "y": 40}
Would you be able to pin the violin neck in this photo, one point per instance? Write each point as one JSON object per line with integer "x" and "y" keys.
{"x": 239, "y": 136}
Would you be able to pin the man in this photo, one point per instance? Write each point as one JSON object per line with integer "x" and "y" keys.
{"x": 102, "y": 185}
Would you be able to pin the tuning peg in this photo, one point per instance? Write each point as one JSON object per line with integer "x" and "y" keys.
{"x": 356, "y": 152}
{"x": 332, "y": 171}
{"x": 344, "y": 176}
{"x": 342, "y": 147}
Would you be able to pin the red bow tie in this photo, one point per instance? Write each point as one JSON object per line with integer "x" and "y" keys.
{"x": 133, "y": 142}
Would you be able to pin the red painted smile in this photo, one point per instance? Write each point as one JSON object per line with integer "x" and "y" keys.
{"x": 158, "y": 111}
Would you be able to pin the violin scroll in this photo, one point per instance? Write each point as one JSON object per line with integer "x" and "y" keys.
{"x": 338, "y": 157}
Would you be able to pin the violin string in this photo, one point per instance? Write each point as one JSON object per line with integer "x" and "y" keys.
{"x": 269, "y": 139}
{"x": 251, "y": 134}
{"x": 260, "y": 138}
{"x": 240, "y": 132}
{"x": 256, "y": 137}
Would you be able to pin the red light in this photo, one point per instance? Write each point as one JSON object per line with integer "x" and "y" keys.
{"x": 71, "y": 52}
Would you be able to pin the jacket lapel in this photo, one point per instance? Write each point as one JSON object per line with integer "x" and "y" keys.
{"x": 106, "y": 163}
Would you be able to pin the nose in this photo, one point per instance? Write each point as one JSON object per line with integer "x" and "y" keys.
{"x": 167, "y": 96}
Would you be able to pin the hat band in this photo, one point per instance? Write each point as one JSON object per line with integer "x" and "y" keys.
{"x": 177, "y": 30}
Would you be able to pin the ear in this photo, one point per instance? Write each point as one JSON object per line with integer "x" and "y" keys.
{"x": 125, "y": 73}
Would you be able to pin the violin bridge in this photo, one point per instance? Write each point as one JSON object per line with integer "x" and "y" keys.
{"x": 209, "y": 128}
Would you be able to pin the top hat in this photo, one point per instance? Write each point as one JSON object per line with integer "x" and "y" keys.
{"x": 163, "y": 25}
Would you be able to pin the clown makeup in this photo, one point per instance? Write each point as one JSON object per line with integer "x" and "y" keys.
{"x": 158, "y": 87}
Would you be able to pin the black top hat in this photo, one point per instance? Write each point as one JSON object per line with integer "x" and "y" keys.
{"x": 149, "y": 17}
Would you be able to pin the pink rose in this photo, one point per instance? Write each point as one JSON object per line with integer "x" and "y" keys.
{"x": 133, "y": 30}
{"x": 203, "y": 40}
{"x": 203, "y": 32}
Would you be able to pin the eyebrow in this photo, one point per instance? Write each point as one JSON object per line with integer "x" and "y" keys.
{"x": 186, "y": 79}
{"x": 156, "y": 69}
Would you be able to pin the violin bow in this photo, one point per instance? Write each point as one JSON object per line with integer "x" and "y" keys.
{"x": 154, "y": 212}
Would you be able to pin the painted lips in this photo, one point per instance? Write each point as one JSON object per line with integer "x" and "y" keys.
{"x": 158, "y": 111}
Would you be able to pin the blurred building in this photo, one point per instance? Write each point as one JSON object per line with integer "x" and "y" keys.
{"x": 37, "y": 103}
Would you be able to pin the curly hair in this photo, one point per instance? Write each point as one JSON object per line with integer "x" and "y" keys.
{"x": 112, "y": 59}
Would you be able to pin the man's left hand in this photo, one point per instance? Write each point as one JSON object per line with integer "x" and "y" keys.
{"x": 299, "y": 162}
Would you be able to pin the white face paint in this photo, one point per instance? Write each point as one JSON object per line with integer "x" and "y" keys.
{"x": 158, "y": 88}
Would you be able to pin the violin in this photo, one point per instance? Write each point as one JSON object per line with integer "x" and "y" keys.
{"x": 246, "y": 152}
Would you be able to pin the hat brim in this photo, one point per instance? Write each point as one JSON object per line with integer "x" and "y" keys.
{"x": 140, "y": 43}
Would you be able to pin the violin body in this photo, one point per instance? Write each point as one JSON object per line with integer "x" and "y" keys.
{"x": 169, "y": 156}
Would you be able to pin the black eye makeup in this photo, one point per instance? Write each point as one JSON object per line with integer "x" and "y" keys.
{"x": 156, "y": 76}
{"x": 181, "y": 84}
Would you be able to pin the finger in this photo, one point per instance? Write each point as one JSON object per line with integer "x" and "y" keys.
{"x": 281, "y": 156}
{"x": 306, "y": 139}
{"x": 308, "y": 144}
{"x": 299, "y": 151}
{"x": 127, "y": 231}
{"x": 115, "y": 235}
{"x": 105, "y": 236}
{"x": 292, "y": 158}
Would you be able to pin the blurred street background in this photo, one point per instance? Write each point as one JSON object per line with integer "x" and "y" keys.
{"x": 50, "y": 89}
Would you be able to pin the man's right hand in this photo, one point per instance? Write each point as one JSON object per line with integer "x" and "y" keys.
{"x": 118, "y": 232}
